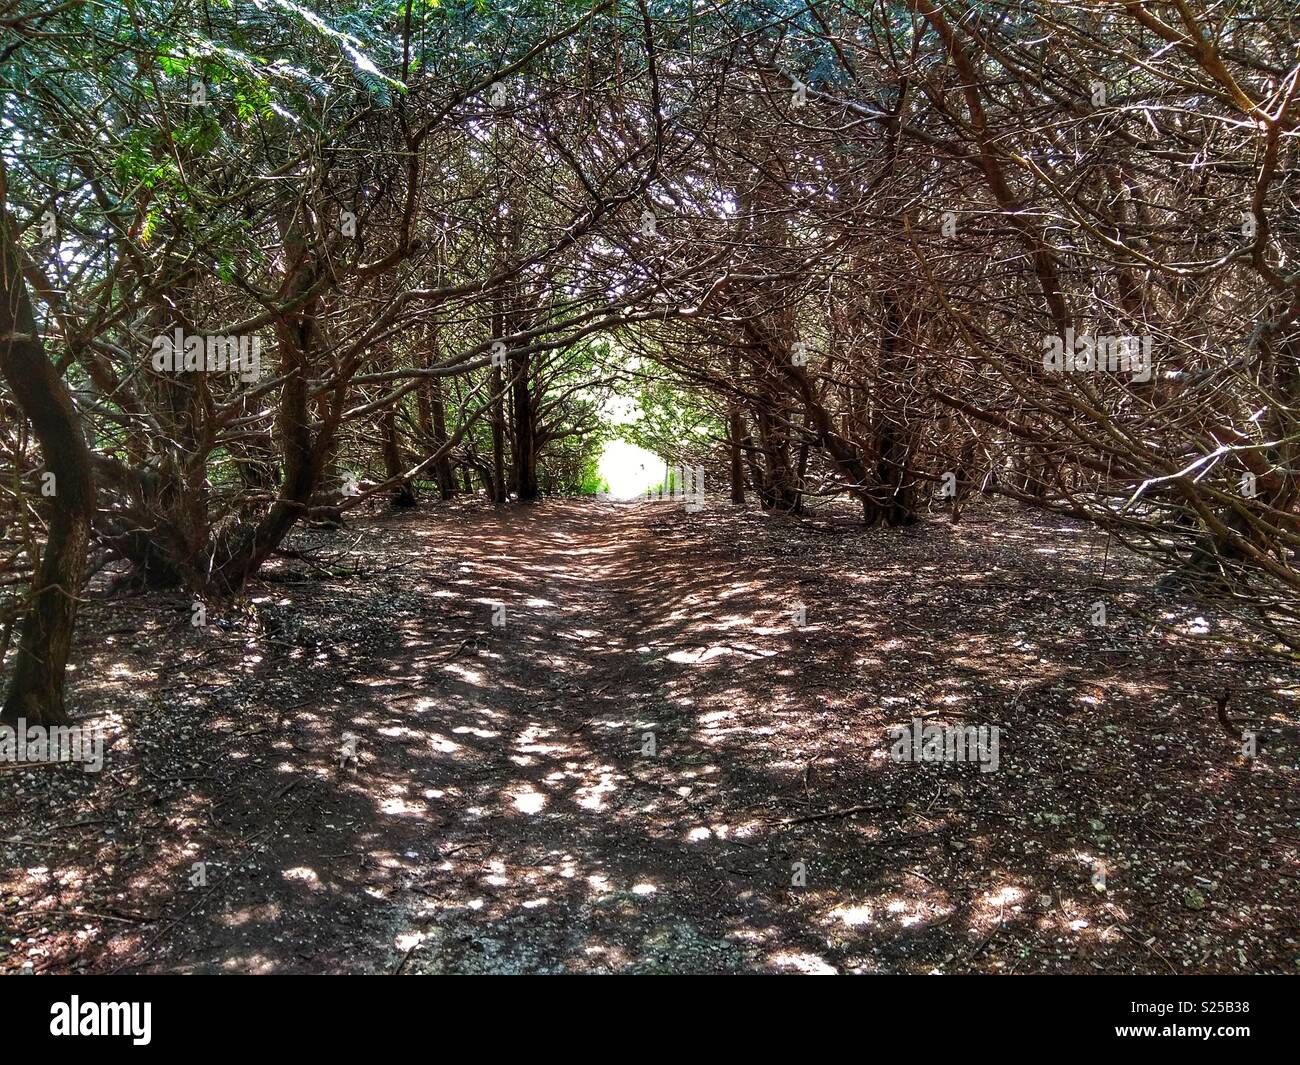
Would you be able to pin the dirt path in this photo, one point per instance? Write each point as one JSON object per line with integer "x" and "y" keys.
{"x": 651, "y": 767}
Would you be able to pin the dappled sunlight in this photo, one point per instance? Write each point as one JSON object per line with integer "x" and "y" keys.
{"x": 528, "y": 801}
{"x": 593, "y": 796}
{"x": 624, "y": 775}
{"x": 806, "y": 964}
{"x": 395, "y": 806}
{"x": 307, "y": 876}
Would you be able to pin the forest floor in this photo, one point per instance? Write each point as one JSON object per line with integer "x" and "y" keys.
{"x": 652, "y": 768}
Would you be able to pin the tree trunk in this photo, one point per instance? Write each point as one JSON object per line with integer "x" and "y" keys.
{"x": 895, "y": 484}
{"x": 304, "y": 454}
{"x": 403, "y": 492}
{"x": 525, "y": 433}
{"x": 442, "y": 468}
{"x": 497, "y": 488}
{"x": 36, "y": 689}
{"x": 734, "y": 432}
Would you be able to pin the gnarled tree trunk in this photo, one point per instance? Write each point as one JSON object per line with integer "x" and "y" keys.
{"x": 36, "y": 689}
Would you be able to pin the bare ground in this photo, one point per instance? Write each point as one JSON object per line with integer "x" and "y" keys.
{"x": 506, "y": 813}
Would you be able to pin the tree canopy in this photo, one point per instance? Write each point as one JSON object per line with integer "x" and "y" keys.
{"x": 894, "y": 252}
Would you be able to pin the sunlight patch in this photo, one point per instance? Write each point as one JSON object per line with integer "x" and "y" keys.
{"x": 528, "y": 802}
{"x": 853, "y": 916}
{"x": 301, "y": 872}
{"x": 809, "y": 964}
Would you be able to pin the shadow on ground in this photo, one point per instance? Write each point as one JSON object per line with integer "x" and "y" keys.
{"x": 673, "y": 756}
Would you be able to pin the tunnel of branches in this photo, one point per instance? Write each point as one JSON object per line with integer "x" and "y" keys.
{"x": 838, "y": 240}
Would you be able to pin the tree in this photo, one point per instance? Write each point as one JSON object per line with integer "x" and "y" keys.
{"x": 35, "y": 692}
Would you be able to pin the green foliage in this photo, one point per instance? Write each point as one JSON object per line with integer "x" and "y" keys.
{"x": 570, "y": 466}
{"x": 672, "y": 422}
{"x": 590, "y": 482}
